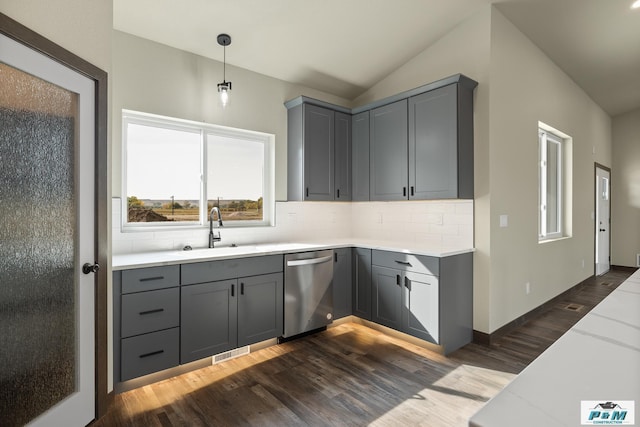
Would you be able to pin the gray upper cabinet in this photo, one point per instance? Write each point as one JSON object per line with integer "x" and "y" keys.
{"x": 417, "y": 145}
{"x": 318, "y": 153}
{"x": 388, "y": 152}
{"x": 360, "y": 156}
{"x": 441, "y": 144}
{"x": 260, "y": 308}
{"x": 342, "y": 159}
{"x": 342, "y": 289}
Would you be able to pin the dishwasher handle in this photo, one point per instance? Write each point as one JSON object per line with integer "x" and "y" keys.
{"x": 310, "y": 261}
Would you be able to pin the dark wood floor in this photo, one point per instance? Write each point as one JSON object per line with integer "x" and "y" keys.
{"x": 351, "y": 375}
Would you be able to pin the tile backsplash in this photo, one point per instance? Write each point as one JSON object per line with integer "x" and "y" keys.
{"x": 440, "y": 224}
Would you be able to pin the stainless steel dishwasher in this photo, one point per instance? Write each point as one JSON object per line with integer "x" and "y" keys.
{"x": 308, "y": 291}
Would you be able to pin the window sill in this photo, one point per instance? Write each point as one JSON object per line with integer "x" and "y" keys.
{"x": 553, "y": 239}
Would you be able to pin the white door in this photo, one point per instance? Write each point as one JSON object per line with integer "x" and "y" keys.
{"x": 47, "y": 139}
{"x": 603, "y": 209}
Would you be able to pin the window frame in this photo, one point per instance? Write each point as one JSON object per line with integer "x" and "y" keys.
{"x": 204, "y": 129}
{"x": 546, "y": 135}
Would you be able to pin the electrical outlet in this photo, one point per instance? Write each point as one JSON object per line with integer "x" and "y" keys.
{"x": 527, "y": 288}
{"x": 637, "y": 260}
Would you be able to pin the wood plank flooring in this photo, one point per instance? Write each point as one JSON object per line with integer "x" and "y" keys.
{"x": 351, "y": 375}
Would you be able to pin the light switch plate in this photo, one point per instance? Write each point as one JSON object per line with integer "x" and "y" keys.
{"x": 504, "y": 220}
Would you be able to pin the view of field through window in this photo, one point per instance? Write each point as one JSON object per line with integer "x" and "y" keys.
{"x": 164, "y": 178}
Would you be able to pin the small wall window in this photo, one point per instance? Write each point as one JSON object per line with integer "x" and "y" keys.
{"x": 175, "y": 171}
{"x": 552, "y": 183}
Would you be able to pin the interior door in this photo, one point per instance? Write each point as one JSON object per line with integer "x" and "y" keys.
{"x": 603, "y": 209}
{"x": 47, "y": 144}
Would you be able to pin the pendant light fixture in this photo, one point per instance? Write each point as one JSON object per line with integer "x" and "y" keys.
{"x": 224, "y": 40}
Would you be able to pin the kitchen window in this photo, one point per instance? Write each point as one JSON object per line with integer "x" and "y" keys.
{"x": 552, "y": 183}
{"x": 175, "y": 171}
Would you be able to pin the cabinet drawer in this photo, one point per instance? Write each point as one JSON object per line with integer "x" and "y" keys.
{"x": 151, "y": 311}
{"x": 407, "y": 262}
{"x": 148, "y": 279}
{"x": 149, "y": 353}
{"x": 212, "y": 271}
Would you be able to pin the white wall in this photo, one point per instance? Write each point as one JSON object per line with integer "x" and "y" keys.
{"x": 625, "y": 191}
{"x": 526, "y": 87}
{"x": 80, "y": 26}
{"x": 154, "y": 78}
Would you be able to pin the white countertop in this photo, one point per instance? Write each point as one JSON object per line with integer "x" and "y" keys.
{"x": 169, "y": 257}
{"x": 598, "y": 359}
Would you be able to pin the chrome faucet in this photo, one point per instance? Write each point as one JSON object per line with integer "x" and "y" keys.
{"x": 213, "y": 237}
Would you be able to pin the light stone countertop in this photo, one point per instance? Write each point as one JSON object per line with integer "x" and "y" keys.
{"x": 598, "y": 359}
{"x": 171, "y": 257}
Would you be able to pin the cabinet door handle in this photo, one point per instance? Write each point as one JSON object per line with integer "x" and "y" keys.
{"x": 157, "y": 310}
{"x": 407, "y": 283}
{"x": 404, "y": 191}
{"x": 233, "y": 290}
{"x": 338, "y": 193}
{"x": 335, "y": 256}
{"x": 397, "y": 279}
{"x": 412, "y": 192}
{"x": 306, "y": 191}
{"x": 153, "y": 353}
{"x": 149, "y": 279}
{"x": 242, "y": 288}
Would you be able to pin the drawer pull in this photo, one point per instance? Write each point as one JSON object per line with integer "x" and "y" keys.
{"x": 150, "y": 279}
{"x": 404, "y": 263}
{"x": 157, "y": 310}
{"x": 153, "y": 353}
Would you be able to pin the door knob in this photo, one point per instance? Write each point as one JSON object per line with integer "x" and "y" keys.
{"x": 90, "y": 268}
{"x": 602, "y": 229}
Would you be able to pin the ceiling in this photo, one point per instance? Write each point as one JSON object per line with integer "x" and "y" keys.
{"x": 345, "y": 47}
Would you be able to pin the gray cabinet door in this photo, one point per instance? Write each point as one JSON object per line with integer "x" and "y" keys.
{"x": 342, "y": 143}
{"x": 389, "y": 152}
{"x": 386, "y": 302}
{"x": 342, "y": 284}
{"x": 318, "y": 148}
{"x": 362, "y": 283}
{"x": 420, "y": 306}
{"x": 433, "y": 144}
{"x": 360, "y": 155}
{"x": 260, "y": 308}
{"x": 208, "y": 323}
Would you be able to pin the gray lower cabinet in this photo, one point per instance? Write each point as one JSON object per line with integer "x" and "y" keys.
{"x": 208, "y": 324}
{"x": 260, "y": 311}
{"x": 171, "y": 315}
{"x": 233, "y": 310}
{"x": 386, "y": 297}
{"x": 342, "y": 287}
{"x": 362, "y": 283}
{"x": 146, "y": 321}
{"x": 388, "y": 151}
{"x": 426, "y": 297}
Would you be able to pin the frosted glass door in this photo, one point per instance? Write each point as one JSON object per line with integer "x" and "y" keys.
{"x": 46, "y": 233}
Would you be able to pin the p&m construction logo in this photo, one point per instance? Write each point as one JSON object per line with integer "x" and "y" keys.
{"x": 607, "y": 412}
